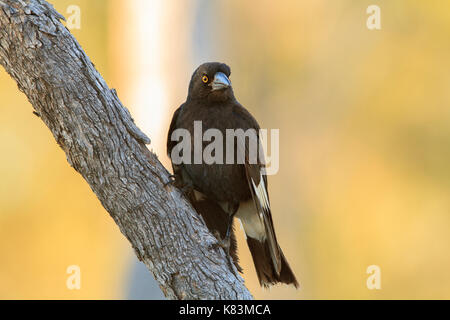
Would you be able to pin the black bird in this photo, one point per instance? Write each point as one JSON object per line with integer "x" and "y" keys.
{"x": 220, "y": 192}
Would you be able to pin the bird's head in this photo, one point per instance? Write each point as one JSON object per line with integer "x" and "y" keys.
{"x": 211, "y": 81}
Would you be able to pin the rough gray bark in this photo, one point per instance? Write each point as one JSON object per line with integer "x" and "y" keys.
{"x": 104, "y": 145}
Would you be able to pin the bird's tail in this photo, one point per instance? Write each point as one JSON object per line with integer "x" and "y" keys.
{"x": 265, "y": 270}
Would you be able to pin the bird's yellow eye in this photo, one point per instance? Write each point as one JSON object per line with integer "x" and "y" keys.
{"x": 205, "y": 79}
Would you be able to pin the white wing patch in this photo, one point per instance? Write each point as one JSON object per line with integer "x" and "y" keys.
{"x": 252, "y": 218}
{"x": 261, "y": 193}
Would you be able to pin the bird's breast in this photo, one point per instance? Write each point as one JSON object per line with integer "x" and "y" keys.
{"x": 208, "y": 168}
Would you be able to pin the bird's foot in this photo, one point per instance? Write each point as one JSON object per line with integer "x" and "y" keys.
{"x": 185, "y": 188}
{"x": 172, "y": 180}
{"x": 222, "y": 243}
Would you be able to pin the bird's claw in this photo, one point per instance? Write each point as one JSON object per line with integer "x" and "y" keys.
{"x": 221, "y": 243}
{"x": 171, "y": 181}
{"x": 185, "y": 188}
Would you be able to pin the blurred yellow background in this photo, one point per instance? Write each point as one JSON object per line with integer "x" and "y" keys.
{"x": 364, "y": 123}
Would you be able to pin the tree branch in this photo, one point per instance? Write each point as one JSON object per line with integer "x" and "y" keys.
{"x": 104, "y": 145}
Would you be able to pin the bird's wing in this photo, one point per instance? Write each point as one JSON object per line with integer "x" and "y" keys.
{"x": 257, "y": 181}
{"x": 173, "y": 126}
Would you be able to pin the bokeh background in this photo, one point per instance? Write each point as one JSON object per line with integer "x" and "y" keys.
{"x": 364, "y": 119}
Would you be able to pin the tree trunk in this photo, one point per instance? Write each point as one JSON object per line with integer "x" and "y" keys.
{"x": 104, "y": 145}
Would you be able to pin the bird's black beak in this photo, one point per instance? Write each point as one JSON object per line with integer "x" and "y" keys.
{"x": 220, "y": 82}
